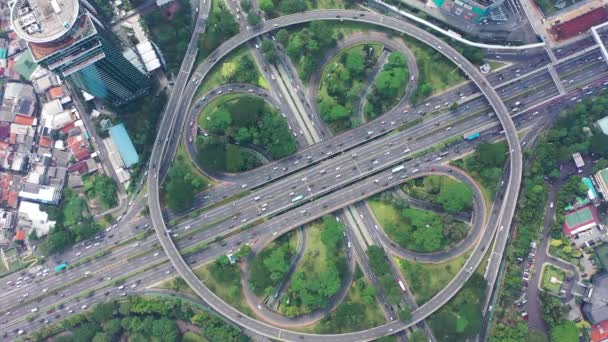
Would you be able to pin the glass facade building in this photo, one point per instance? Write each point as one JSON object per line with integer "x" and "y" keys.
{"x": 91, "y": 56}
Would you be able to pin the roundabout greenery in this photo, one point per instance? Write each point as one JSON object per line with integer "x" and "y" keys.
{"x": 342, "y": 83}
{"x": 417, "y": 229}
{"x": 240, "y": 131}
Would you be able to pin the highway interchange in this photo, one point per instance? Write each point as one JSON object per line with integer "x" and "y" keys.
{"x": 355, "y": 184}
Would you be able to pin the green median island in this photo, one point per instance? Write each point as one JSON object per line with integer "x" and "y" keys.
{"x": 320, "y": 273}
{"x": 241, "y": 132}
{"x": 358, "y": 311}
{"x": 342, "y": 84}
{"x": 223, "y": 277}
{"x": 388, "y": 87}
{"x": 552, "y": 279}
{"x": 269, "y": 267}
{"x": 417, "y": 229}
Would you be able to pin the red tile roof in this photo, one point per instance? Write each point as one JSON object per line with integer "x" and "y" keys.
{"x": 13, "y": 199}
{"x": 55, "y": 92}
{"x": 46, "y": 142}
{"x": 79, "y": 147}
{"x": 67, "y": 128}
{"x": 599, "y": 331}
{"x": 20, "y": 235}
{"x": 24, "y": 120}
{"x": 80, "y": 167}
{"x": 580, "y": 24}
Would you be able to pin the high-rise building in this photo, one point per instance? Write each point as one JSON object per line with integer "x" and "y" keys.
{"x": 68, "y": 38}
{"x": 472, "y": 11}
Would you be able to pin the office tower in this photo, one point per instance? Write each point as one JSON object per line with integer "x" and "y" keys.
{"x": 69, "y": 38}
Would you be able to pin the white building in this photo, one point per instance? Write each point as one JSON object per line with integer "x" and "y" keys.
{"x": 32, "y": 217}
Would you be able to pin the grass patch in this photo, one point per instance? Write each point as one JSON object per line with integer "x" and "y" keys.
{"x": 552, "y": 279}
{"x": 190, "y": 336}
{"x": 417, "y": 229}
{"x": 495, "y": 65}
{"x": 219, "y": 74}
{"x": 452, "y": 195}
{"x": 225, "y": 282}
{"x": 436, "y": 72}
{"x": 486, "y": 166}
{"x": 177, "y": 284}
{"x": 426, "y": 280}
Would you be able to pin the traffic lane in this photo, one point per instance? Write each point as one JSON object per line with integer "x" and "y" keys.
{"x": 79, "y": 251}
{"x": 427, "y": 102}
{"x": 389, "y": 176}
{"x": 508, "y": 92}
{"x": 476, "y": 227}
{"x": 146, "y": 278}
{"x": 83, "y": 281}
{"x": 571, "y": 83}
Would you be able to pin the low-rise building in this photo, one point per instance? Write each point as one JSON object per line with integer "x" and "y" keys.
{"x": 19, "y": 98}
{"x": 40, "y": 193}
{"x": 596, "y": 310}
{"x": 599, "y": 332}
{"x": 31, "y": 218}
{"x": 578, "y": 160}
{"x": 580, "y": 220}
{"x": 602, "y": 125}
{"x": 601, "y": 178}
{"x": 121, "y": 139}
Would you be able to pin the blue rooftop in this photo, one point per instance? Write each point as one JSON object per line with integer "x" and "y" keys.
{"x": 121, "y": 139}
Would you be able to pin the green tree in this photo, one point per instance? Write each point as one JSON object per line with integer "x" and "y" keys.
{"x": 245, "y": 5}
{"x": 268, "y": 7}
{"x": 283, "y": 35}
{"x": 405, "y": 314}
{"x": 269, "y": 51}
{"x": 292, "y": 6}
{"x": 355, "y": 62}
{"x": 181, "y": 186}
{"x": 277, "y": 263}
{"x": 599, "y": 144}
{"x": 219, "y": 121}
{"x": 253, "y": 18}
{"x": 425, "y": 90}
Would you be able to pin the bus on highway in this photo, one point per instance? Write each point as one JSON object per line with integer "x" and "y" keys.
{"x": 61, "y": 267}
{"x": 472, "y": 136}
{"x": 401, "y": 284}
{"x": 397, "y": 169}
{"x": 297, "y": 198}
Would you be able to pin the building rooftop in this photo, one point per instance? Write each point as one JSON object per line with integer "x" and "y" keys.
{"x": 596, "y": 309}
{"x": 599, "y": 331}
{"x": 43, "y": 21}
{"x": 602, "y": 124}
{"x": 121, "y": 139}
{"x": 580, "y": 219}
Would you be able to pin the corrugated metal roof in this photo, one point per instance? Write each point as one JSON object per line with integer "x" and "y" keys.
{"x": 121, "y": 139}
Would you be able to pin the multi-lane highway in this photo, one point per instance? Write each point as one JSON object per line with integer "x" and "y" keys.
{"x": 216, "y": 249}
{"x": 360, "y": 184}
{"x": 504, "y": 217}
